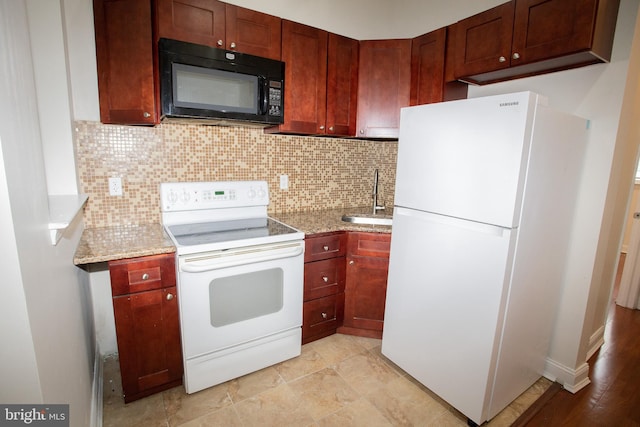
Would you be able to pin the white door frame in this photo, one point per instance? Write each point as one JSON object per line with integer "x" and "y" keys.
{"x": 629, "y": 291}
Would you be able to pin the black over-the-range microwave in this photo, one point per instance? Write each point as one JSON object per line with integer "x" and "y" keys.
{"x": 219, "y": 86}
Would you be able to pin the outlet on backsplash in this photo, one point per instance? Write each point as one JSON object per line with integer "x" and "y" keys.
{"x": 115, "y": 186}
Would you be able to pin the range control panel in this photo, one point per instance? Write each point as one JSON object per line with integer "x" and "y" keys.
{"x": 189, "y": 196}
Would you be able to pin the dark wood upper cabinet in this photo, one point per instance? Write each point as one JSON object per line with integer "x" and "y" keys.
{"x": 253, "y": 32}
{"x": 342, "y": 85}
{"x": 124, "y": 55}
{"x": 384, "y": 82}
{"x": 427, "y": 67}
{"x": 483, "y": 41}
{"x": 304, "y": 52}
{"x": 194, "y": 21}
{"x": 217, "y": 24}
{"x": 528, "y": 37}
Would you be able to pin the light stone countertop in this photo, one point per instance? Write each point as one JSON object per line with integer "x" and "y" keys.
{"x": 131, "y": 241}
{"x": 120, "y": 242}
{"x": 327, "y": 220}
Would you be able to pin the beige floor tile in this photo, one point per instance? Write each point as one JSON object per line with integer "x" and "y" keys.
{"x": 357, "y": 414}
{"x": 226, "y": 417}
{"x": 274, "y": 408}
{"x": 336, "y": 348}
{"x": 366, "y": 372}
{"x": 404, "y": 404}
{"x": 323, "y": 392}
{"x": 309, "y": 362}
{"x": 147, "y": 412}
{"x": 368, "y": 343}
{"x": 254, "y": 383}
{"x": 182, "y": 407}
{"x": 449, "y": 419}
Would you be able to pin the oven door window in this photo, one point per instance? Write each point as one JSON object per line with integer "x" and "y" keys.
{"x": 211, "y": 89}
{"x": 241, "y": 297}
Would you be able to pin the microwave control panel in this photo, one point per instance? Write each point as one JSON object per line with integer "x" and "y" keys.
{"x": 275, "y": 98}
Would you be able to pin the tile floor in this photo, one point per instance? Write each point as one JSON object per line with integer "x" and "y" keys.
{"x": 337, "y": 381}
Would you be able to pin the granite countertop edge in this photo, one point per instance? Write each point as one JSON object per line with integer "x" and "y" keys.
{"x": 103, "y": 244}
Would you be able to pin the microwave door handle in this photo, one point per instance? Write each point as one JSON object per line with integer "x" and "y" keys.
{"x": 263, "y": 100}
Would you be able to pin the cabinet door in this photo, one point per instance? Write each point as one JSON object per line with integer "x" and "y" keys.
{"x": 194, "y": 21}
{"x": 252, "y": 32}
{"x": 427, "y": 67}
{"x": 546, "y": 29}
{"x": 384, "y": 82}
{"x": 483, "y": 41}
{"x": 342, "y": 85}
{"x": 365, "y": 292}
{"x": 124, "y": 55}
{"x": 148, "y": 334}
{"x": 304, "y": 51}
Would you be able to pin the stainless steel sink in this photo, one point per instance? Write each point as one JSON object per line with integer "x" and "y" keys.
{"x": 368, "y": 219}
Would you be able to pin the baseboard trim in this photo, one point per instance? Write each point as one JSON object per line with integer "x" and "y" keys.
{"x": 97, "y": 389}
{"x": 595, "y": 341}
{"x": 571, "y": 379}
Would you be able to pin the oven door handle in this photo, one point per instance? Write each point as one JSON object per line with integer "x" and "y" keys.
{"x": 242, "y": 256}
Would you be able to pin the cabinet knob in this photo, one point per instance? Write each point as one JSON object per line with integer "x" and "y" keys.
{"x": 361, "y": 131}
{"x": 169, "y": 297}
{"x": 321, "y": 127}
{"x": 331, "y": 128}
{"x": 324, "y": 315}
{"x": 325, "y": 279}
{"x": 145, "y": 276}
{"x": 325, "y": 247}
{"x": 515, "y": 55}
{"x": 232, "y": 45}
{"x": 502, "y": 59}
{"x": 146, "y": 115}
{"x": 352, "y": 262}
{"x": 219, "y": 43}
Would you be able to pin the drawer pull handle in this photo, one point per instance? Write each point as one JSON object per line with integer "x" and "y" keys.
{"x": 324, "y": 315}
{"x": 169, "y": 297}
{"x": 351, "y": 262}
{"x": 325, "y": 279}
{"x": 325, "y": 247}
{"x": 145, "y": 276}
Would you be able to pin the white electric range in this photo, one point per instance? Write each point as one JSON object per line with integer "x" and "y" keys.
{"x": 240, "y": 279}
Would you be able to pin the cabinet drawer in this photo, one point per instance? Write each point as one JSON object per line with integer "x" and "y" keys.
{"x": 142, "y": 274}
{"x": 322, "y": 278}
{"x": 322, "y": 316}
{"x": 370, "y": 244}
{"x": 325, "y": 246}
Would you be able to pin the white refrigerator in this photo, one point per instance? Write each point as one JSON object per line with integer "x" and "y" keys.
{"x": 484, "y": 201}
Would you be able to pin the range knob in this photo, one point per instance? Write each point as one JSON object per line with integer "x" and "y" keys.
{"x": 185, "y": 196}
{"x": 172, "y": 197}
{"x": 262, "y": 193}
{"x": 252, "y": 193}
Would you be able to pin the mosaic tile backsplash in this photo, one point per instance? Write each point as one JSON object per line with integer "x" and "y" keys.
{"x": 323, "y": 172}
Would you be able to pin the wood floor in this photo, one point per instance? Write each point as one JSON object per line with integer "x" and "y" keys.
{"x": 613, "y": 397}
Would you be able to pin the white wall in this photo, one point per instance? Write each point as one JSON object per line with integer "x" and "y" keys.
{"x": 46, "y": 327}
{"x": 596, "y": 93}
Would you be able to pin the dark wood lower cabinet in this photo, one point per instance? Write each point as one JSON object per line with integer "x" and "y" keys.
{"x": 147, "y": 325}
{"x": 366, "y": 284}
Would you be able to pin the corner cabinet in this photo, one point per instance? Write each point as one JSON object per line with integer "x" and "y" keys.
{"x": 124, "y": 56}
{"x": 384, "y": 86}
{"x": 324, "y": 281}
{"x": 366, "y": 284}
{"x": 528, "y": 37}
{"x": 145, "y": 305}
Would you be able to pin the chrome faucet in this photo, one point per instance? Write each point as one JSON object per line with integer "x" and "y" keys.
{"x": 376, "y": 207}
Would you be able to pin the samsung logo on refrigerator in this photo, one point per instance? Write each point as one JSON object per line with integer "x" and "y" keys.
{"x": 509, "y": 104}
